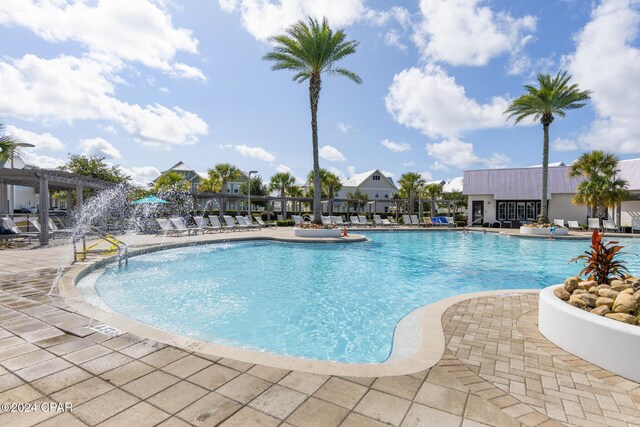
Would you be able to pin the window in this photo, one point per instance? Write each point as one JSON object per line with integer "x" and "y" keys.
{"x": 386, "y": 195}
{"x": 376, "y": 196}
{"x": 531, "y": 211}
{"x": 502, "y": 211}
{"x": 235, "y": 190}
{"x": 520, "y": 210}
{"x": 511, "y": 210}
{"x": 376, "y": 177}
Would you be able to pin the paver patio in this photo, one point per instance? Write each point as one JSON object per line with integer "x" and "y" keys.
{"x": 497, "y": 370}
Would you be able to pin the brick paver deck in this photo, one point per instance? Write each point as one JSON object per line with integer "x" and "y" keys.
{"x": 497, "y": 370}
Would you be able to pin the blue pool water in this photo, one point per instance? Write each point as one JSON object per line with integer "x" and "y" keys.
{"x": 322, "y": 301}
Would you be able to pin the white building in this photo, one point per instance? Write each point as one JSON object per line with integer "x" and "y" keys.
{"x": 380, "y": 188}
{"x": 513, "y": 194}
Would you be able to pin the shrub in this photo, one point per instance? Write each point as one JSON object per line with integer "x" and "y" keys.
{"x": 600, "y": 262}
{"x": 286, "y": 223}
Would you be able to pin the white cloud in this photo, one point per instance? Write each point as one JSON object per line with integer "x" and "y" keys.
{"x": 427, "y": 176}
{"x": 255, "y": 152}
{"x": 564, "y": 144}
{"x": 337, "y": 172}
{"x": 99, "y": 147}
{"x": 343, "y": 127}
{"x": 607, "y": 39}
{"x": 461, "y": 155}
{"x": 397, "y": 147}
{"x": 44, "y": 162}
{"x": 68, "y": 88}
{"x": 409, "y": 164}
{"x": 265, "y": 18}
{"x": 430, "y": 100}
{"x": 351, "y": 170}
{"x": 40, "y": 140}
{"x": 392, "y": 38}
{"x": 463, "y": 32}
{"x": 131, "y": 30}
{"x": 387, "y": 173}
{"x": 332, "y": 154}
{"x": 141, "y": 175}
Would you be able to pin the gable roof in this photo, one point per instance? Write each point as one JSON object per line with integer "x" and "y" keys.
{"x": 454, "y": 184}
{"x": 180, "y": 166}
{"x": 358, "y": 179}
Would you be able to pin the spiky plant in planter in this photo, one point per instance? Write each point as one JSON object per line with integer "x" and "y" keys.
{"x": 600, "y": 262}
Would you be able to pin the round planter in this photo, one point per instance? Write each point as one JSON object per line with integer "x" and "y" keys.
{"x": 607, "y": 343}
{"x": 320, "y": 233}
{"x": 533, "y": 231}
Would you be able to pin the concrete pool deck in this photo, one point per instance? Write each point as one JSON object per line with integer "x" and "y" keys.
{"x": 496, "y": 369}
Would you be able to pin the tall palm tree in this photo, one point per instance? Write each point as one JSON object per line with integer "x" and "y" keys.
{"x": 433, "y": 192}
{"x": 601, "y": 187}
{"x": 210, "y": 184}
{"x": 309, "y": 50}
{"x": 224, "y": 172}
{"x": 8, "y": 145}
{"x": 171, "y": 182}
{"x": 410, "y": 182}
{"x": 282, "y": 182}
{"x": 329, "y": 185}
{"x": 554, "y": 96}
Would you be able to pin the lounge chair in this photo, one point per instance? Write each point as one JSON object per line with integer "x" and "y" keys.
{"x": 337, "y": 220}
{"x": 233, "y": 224}
{"x": 355, "y": 221}
{"x": 416, "y": 221}
{"x": 609, "y": 224}
{"x": 201, "y": 223}
{"x": 181, "y": 226}
{"x": 594, "y": 223}
{"x": 407, "y": 220}
{"x": 387, "y": 222}
{"x": 166, "y": 228}
{"x": 635, "y": 225}
{"x": 574, "y": 225}
{"x": 326, "y": 220}
{"x": 35, "y": 223}
{"x": 559, "y": 222}
{"x": 451, "y": 221}
{"x": 436, "y": 220}
{"x": 16, "y": 233}
{"x": 378, "y": 221}
{"x": 243, "y": 220}
{"x": 264, "y": 224}
{"x": 249, "y": 221}
{"x": 364, "y": 222}
{"x": 426, "y": 220}
{"x": 297, "y": 219}
{"x": 215, "y": 222}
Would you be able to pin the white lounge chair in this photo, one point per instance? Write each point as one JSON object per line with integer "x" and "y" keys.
{"x": 378, "y": 221}
{"x": 297, "y": 219}
{"x": 35, "y": 223}
{"x": 574, "y": 225}
{"x": 8, "y": 223}
{"x": 246, "y": 221}
{"x": 181, "y": 226}
{"x": 559, "y": 222}
{"x": 201, "y": 222}
{"x": 166, "y": 228}
{"x": 232, "y": 223}
{"x": 594, "y": 223}
{"x": 249, "y": 221}
{"x": 609, "y": 224}
{"x": 451, "y": 221}
{"x": 264, "y": 224}
{"x": 355, "y": 221}
{"x": 215, "y": 222}
{"x": 326, "y": 220}
{"x": 416, "y": 221}
{"x": 407, "y": 221}
{"x": 364, "y": 222}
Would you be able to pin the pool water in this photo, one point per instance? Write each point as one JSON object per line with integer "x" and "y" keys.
{"x": 336, "y": 302}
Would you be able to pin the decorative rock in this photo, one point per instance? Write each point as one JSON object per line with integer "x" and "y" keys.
{"x": 601, "y": 310}
{"x": 603, "y": 287}
{"x": 604, "y": 301}
{"x": 608, "y": 293}
{"x": 637, "y": 295}
{"x": 576, "y": 301}
{"x": 571, "y": 284}
{"x": 561, "y": 293}
{"x": 621, "y": 317}
{"x": 624, "y": 303}
{"x": 621, "y": 287}
{"x": 629, "y": 291}
{"x": 616, "y": 282}
{"x": 590, "y": 299}
{"x": 578, "y": 291}
{"x": 587, "y": 284}
{"x": 594, "y": 290}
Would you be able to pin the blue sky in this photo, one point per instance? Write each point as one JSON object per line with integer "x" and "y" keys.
{"x": 147, "y": 83}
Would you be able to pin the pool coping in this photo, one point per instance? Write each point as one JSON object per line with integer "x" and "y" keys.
{"x": 409, "y": 355}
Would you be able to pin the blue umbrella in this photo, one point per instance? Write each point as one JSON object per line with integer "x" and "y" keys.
{"x": 152, "y": 200}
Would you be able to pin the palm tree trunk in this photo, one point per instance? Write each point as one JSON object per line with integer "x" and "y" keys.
{"x": 314, "y": 97}
{"x": 283, "y": 204}
{"x": 411, "y": 202}
{"x": 544, "y": 209}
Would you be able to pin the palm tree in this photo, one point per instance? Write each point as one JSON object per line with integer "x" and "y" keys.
{"x": 601, "y": 187}
{"x": 224, "y": 172}
{"x": 554, "y": 97}
{"x": 329, "y": 185}
{"x": 310, "y": 50}
{"x": 433, "y": 192}
{"x": 171, "y": 182}
{"x": 210, "y": 184}
{"x": 296, "y": 191}
{"x": 8, "y": 145}
{"x": 358, "y": 198}
{"x": 282, "y": 182}
{"x": 409, "y": 184}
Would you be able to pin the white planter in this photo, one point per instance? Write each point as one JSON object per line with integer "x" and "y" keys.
{"x": 607, "y": 343}
{"x": 321, "y": 233}
{"x": 533, "y": 231}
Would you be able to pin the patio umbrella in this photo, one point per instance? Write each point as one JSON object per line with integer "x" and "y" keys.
{"x": 151, "y": 200}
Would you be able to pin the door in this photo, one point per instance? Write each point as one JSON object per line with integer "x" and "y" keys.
{"x": 477, "y": 208}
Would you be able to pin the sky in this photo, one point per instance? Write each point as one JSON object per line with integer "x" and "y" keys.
{"x": 147, "y": 83}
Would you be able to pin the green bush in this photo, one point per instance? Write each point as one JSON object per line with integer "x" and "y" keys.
{"x": 286, "y": 223}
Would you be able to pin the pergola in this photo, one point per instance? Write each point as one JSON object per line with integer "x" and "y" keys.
{"x": 46, "y": 180}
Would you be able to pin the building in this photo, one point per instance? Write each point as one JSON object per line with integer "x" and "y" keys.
{"x": 380, "y": 188}
{"x": 513, "y": 194}
{"x": 193, "y": 177}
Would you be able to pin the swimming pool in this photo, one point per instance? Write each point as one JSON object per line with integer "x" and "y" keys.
{"x": 326, "y": 301}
